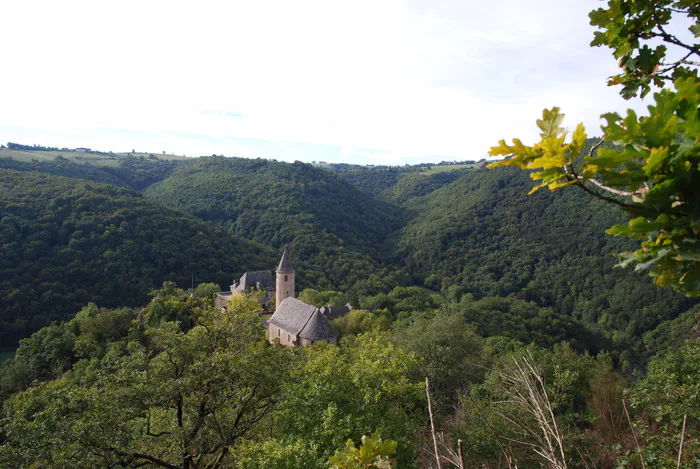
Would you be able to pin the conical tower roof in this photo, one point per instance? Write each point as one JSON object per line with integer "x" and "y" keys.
{"x": 318, "y": 328}
{"x": 285, "y": 267}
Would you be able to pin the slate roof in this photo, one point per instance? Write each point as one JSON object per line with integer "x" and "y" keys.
{"x": 251, "y": 280}
{"x": 299, "y": 318}
{"x": 285, "y": 267}
{"x": 318, "y": 328}
{"x": 333, "y": 312}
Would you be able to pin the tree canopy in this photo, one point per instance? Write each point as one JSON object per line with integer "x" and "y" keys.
{"x": 652, "y": 170}
{"x": 65, "y": 242}
{"x": 335, "y": 231}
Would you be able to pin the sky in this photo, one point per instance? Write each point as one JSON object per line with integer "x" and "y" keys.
{"x": 364, "y": 82}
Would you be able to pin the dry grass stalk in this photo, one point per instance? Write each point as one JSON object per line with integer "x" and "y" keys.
{"x": 526, "y": 389}
{"x": 432, "y": 424}
{"x": 448, "y": 453}
{"x": 459, "y": 454}
{"x": 680, "y": 448}
{"x": 634, "y": 435}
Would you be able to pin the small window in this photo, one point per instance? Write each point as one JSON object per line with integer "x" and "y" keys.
{"x": 285, "y": 278}
{"x": 279, "y": 332}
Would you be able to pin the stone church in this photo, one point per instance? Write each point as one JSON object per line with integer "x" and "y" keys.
{"x": 293, "y": 322}
{"x": 261, "y": 280}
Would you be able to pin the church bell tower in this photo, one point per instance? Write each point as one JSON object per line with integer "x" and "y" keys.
{"x": 285, "y": 280}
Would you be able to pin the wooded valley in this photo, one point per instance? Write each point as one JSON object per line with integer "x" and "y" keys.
{"x": 456, "y": 275}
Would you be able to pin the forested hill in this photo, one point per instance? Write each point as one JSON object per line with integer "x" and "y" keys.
{"x": 336, "y": 232}
{"x": 462, "y": 231}
{"x": 134, "y": 172}
{"x": 65, "y": 242}
{"x": 383, "y": 181}
{"x": 482, "y": 234}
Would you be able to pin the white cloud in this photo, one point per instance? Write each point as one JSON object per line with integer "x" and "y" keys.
{"x": 410, "y": 79}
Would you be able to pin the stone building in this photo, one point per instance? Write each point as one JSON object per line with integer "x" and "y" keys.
{"x": 297, "y": 323}
{"x": 334, "y": 312}
{"x": 285, "y": 280}
{"x": 293, "y": 322}
{"x": 261, "y": 280}
{"x": 279, "y": 287}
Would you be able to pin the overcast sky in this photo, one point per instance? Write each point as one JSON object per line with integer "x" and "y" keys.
{"x": 369, "y": 82}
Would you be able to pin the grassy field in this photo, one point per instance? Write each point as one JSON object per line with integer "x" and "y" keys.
{"x": 160, "y": 156}
{"x": 95, "y": 159}
{"x": 442, "y": 169}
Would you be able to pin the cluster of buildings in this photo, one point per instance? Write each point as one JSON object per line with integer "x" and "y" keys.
{"x": 294, "y": 322}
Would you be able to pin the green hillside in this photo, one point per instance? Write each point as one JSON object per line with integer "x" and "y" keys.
{"x": 356, "y": 229}
{"x": 380, "y": 181}
{"x": 135, "y": 171}
{"x": 336, "y": 232}
{"x": 412, "y": 185}
{"x": 65, "y": 242}
{"x": 508, "y": 276}
{"x": 370, "y": 179}
{"x": 482, "y": 234}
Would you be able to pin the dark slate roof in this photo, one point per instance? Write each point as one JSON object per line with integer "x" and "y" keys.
{"x": 297, "y": 317}
{"x": 318, "y": 328}
{"x": 251, "y": 280}
{"x": 285, "y": 267}
{"x": 333, "y": 312}
{"x": 292, "y": 315}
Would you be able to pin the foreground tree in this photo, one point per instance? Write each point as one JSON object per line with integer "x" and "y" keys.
{"x": 652, "y": 171}
{"x": 667, "y": 404}
{"x": 182, "y": 400}
{"x": 638, "y": 32}
{"x": 374, "y": 453}
{"x": 529, "y": 410}
{"x": 340, "y": 393}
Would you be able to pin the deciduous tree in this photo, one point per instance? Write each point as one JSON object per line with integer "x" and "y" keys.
{"x": 652, "y": 170}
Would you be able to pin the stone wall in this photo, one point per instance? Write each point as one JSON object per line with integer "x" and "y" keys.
{"x": 285, "y": 338}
